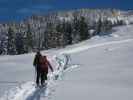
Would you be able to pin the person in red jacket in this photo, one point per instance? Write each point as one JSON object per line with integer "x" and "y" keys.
{"x": 45, "y": 65}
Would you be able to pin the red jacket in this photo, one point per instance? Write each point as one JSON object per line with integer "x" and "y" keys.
{"x": 45, "y": 64}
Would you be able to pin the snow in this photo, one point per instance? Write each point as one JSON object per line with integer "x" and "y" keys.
{"x": 65, "y": 19}
{"x": 97, "y": 69}
{"x": 103, "y": 75}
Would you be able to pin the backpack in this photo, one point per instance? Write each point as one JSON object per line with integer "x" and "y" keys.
{"x": 44, "y": 64}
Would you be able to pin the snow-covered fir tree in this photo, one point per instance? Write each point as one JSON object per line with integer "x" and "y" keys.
{"x": 62, "y": 28}
{"x": 11, "y": 49}
{"x": 3, "y": 43}
{"x": 29, "y": 39}
{"x": 19, "y": 43}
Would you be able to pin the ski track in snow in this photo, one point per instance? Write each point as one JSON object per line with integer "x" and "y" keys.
{"x": 83, "y": 48}
{"x": 27, "y": 91}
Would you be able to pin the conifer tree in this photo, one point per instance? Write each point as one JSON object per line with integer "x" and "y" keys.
{"x": 3, "y": 44}
{"x": 19, "y": 43}
{"x": 68, "y": 32}
{"x": 11, "y": 49}
{"x": 83, "y": 29}
{"x": 99, "y": 26}
{"x": 29, "y": 38}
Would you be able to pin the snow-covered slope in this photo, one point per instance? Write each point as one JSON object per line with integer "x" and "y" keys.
{"x": 104, "y": 73}
{"x": 98, "y": 69}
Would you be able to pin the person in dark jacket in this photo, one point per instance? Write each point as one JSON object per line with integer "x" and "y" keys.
{"x": 37, "y": 65}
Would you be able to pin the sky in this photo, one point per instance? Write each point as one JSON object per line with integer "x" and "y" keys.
{"x": 19, "y": 9}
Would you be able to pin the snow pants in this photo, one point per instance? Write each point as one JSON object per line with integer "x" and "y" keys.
{"x": 41, "y": 76}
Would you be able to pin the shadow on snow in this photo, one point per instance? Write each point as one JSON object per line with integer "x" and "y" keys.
{"x": 37, "y": 94}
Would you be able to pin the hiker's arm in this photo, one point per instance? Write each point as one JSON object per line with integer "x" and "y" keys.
{"x": 50, "y": 66}
{"x": 35, "y": 61}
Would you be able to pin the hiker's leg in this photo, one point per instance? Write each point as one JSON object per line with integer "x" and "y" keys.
{"x": 46, "y": 76}
{"x": 42, "y": 78}
{"x": 37, "y": 77}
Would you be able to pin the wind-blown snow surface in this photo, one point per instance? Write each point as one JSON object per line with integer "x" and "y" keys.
{"x": 98, "y": 69}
